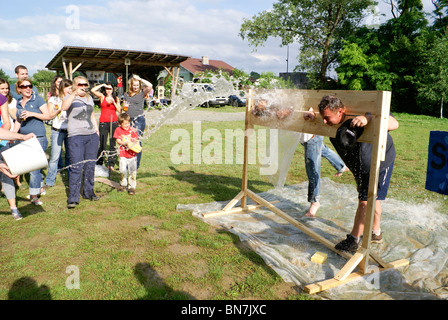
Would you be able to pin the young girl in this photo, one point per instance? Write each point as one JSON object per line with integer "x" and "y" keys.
{"x": 127, "y": 138}
{"x": 110, "y": 105}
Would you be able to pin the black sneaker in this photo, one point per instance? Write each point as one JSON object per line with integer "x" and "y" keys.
{"x": 72, "y": 205}
{"x": 94, "y": 198}
{"x": 348, "y": 244}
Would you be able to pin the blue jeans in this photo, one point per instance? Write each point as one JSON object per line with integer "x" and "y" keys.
{"x": 315, "y": 149}
{"x": 139, "y": 123}
{"x": 57, "y": 139}
{"x": 36, "y": 179}
{"x": 82, "y": 172}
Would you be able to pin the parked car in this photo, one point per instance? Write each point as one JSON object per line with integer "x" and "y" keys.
{"x": 236, "y": 101}
{"x": 216, "y": 101}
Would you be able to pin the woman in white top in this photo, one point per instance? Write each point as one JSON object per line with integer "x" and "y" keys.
{"x": 59, "y": 134}
{"x": 12, "y": 108}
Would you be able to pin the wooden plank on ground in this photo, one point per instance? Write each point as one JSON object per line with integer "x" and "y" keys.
{"x": 332, "y": 283}
{"x": 234, "y": 210}
{"x": 108, "y": 182}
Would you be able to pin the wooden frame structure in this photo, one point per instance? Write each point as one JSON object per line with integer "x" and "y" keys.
{"x": 357, "y": 103}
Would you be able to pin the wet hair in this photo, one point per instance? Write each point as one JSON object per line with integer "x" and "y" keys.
{"x": 123, "y": 117}
{"x": 331, "y": 102}
{"x": 260, "y": 109}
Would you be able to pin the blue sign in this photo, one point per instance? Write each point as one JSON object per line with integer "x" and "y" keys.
{"x": 437, "y": 171}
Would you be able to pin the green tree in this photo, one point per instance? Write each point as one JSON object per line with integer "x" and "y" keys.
{"x": 441, "y": 14}
{"x": 318, "y": 25}
{"x": 388, "y": 58}
{"x": 361, "y": 71}
{"x": 3, "y": 75}
{"x": 43, "y": 76}
{"x": 268, "y": 80}
{"x": 433, "y": 75}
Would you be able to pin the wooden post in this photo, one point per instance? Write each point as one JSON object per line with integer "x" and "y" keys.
{"x": 248, "y": 130}
{"x": 65, "y": 69}
{"x": 70, "y": 70}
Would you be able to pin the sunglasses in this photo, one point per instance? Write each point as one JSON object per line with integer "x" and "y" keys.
{"x": 24, "y": 86}
{"x": 85, "y": 85}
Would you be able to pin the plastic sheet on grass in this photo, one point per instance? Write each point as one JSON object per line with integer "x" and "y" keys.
{"x": 417, "y": 232}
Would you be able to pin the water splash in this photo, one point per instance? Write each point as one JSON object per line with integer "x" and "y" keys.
{"x": 187, "y": 99}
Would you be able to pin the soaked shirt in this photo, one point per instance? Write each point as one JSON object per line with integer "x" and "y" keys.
{"x": 358, "y": 160}
{"x": 136, "y": 103}
{"x": 79, "y": 117}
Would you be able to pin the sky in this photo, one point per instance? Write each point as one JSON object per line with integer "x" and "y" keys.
{"x": 33, "y": 32}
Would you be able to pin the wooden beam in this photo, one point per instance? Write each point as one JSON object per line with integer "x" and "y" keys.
{"x": 70, "y": 68}
{"x": 330, "y": 245}
{"x": 380, "y": 125}
{"x": 332, "y": 283}
{"x": 234, "y": 201}
{"x": 351, "y": 264}
{"x": 120, "y": 61}
{"x": 248, "y": 130}
{"x": 65, "y": 69}
{"x": 77, "y": 67}
{"x": 248, "y": 209}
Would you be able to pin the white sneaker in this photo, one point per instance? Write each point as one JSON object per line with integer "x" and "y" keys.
{"x": 36, "y": 201}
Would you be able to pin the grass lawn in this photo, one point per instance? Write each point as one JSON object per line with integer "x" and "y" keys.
{"x": 140, "y": 247}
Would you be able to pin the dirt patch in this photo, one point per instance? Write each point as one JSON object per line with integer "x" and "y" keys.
{"x": 179, "y": 249}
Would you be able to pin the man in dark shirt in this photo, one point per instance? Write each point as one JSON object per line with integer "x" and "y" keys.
{"x": 357, "y": 157}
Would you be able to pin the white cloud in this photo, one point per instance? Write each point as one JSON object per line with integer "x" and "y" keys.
{"x": 187, "y": 27}
{"x": 7, "y": 65}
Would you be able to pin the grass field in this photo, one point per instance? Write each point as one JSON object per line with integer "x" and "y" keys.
{"x": 139, "y": 247}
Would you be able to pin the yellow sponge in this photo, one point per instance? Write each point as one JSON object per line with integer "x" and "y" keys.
{"x": 136, "y": 147}
{"x": 319, "y": 257}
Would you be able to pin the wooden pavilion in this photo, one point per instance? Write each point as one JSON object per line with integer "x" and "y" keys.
{"x": 117, "y": 61}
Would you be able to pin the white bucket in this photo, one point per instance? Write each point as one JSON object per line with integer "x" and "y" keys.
{"x": 25, "y": 157}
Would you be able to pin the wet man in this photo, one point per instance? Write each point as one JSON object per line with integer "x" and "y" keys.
{"x": 357, "y": 158}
